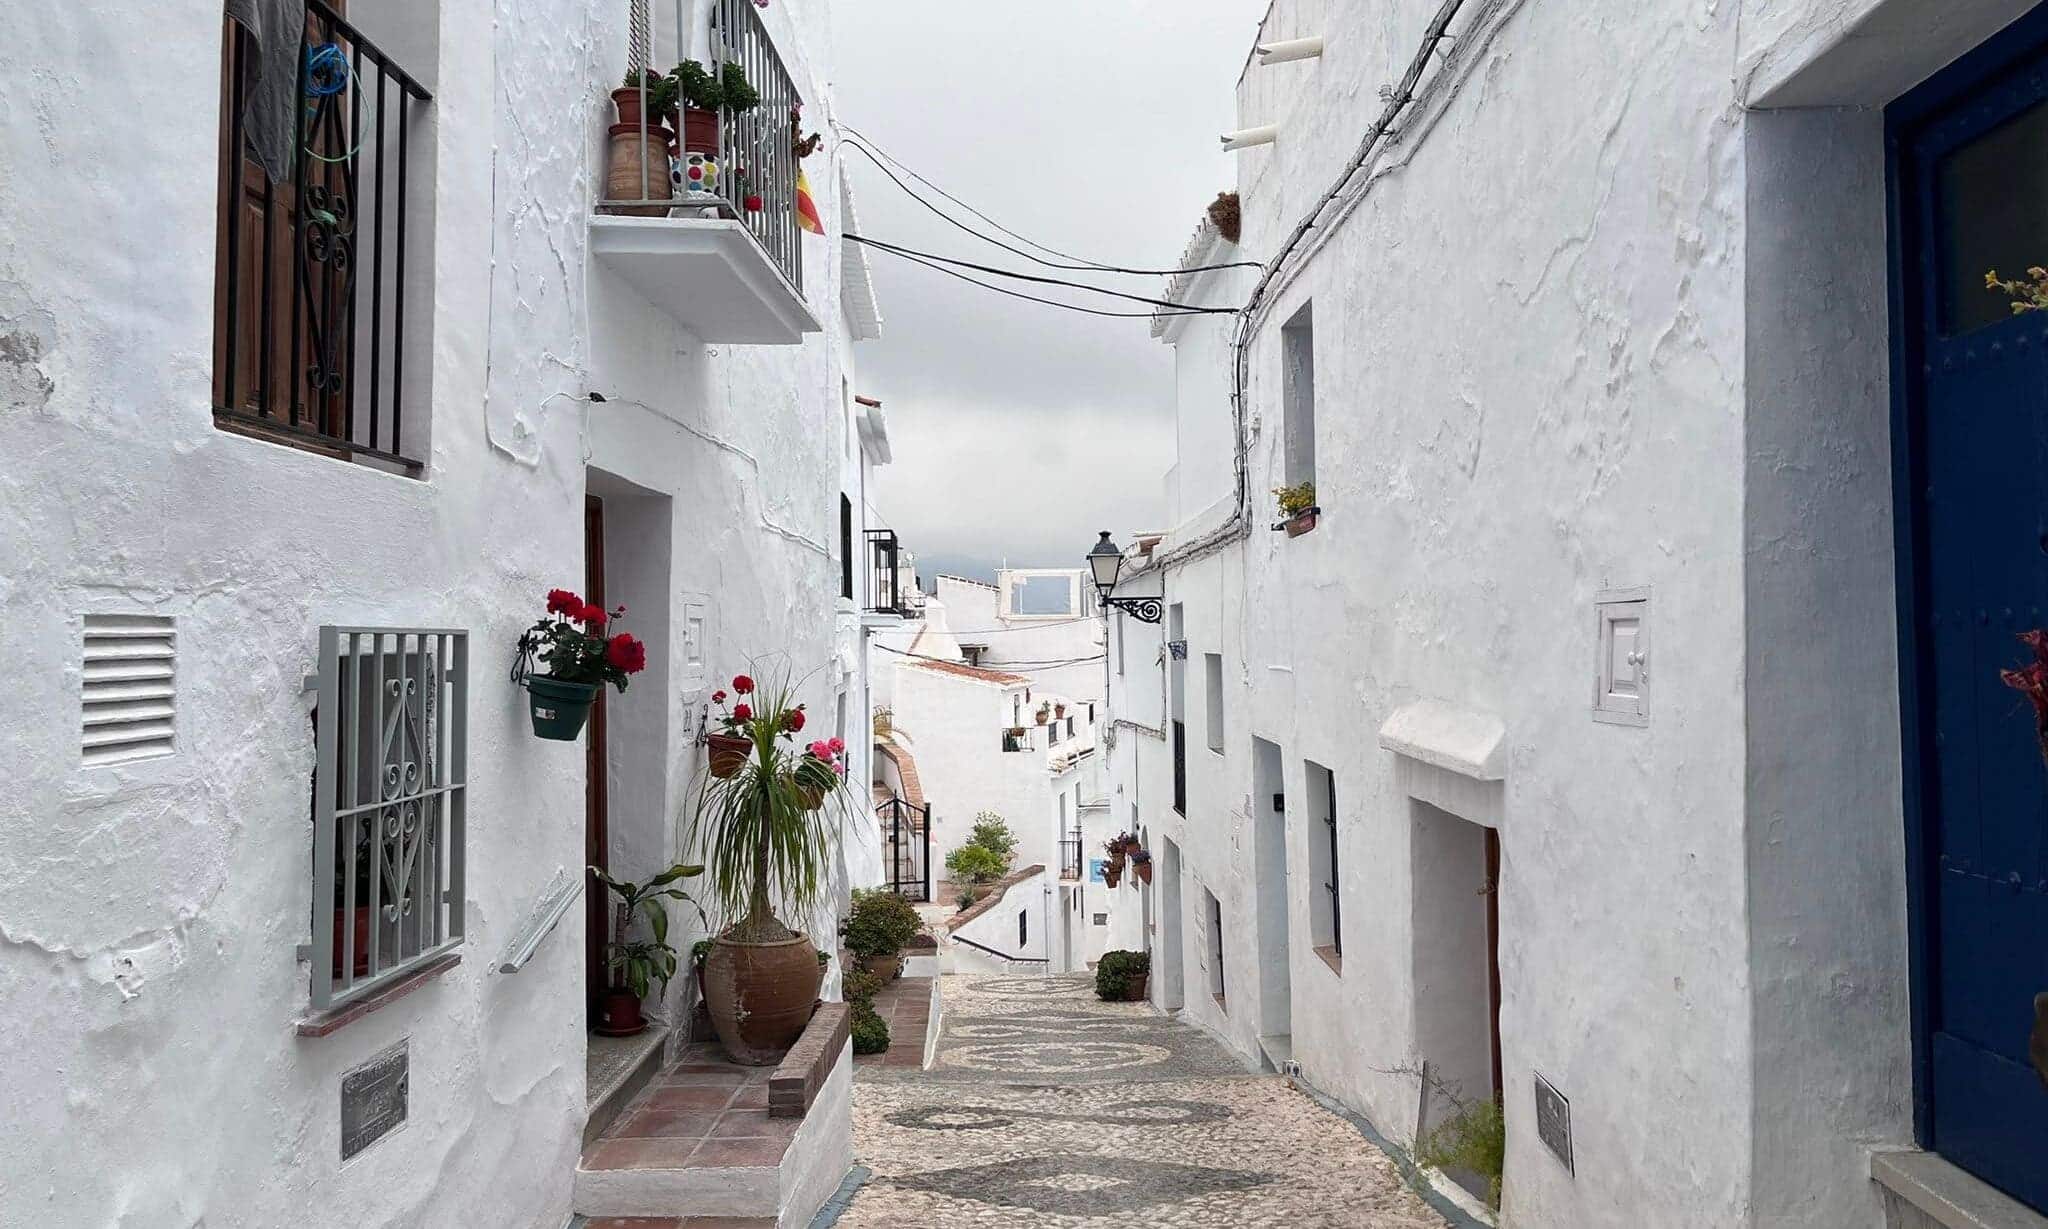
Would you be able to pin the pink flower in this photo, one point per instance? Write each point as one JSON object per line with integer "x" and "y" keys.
{"x": 837, "y": 745}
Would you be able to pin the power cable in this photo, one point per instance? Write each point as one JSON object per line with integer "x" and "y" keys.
{"x": 1018, "y": 294}
{"x": 899, "y": 250}
{"x": 996, "y": 666}
{"x": 877, "y": 155}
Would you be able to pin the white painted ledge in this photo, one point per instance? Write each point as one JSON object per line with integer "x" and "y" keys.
{"x": 1924, "y": 1191}
{"x": 710, "y": 274}
{"x": 1467, "y": 743}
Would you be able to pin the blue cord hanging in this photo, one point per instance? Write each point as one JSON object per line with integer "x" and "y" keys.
{"x": 328, "y": 73}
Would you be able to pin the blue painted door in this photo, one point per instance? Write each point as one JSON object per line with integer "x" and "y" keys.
{"x": 1970, "y": 195}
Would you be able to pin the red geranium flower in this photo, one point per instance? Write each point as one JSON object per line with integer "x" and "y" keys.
{"x": 626, "y": 653}
{"x": 718, "y": 697}
{"x": 743, "y": 685}
{"x": 741, "y": 712}
{"x": 594, "y": 616}
{"x": 561, "y": 601}
{"x": 794, "y": 721}
{"x": 837, "y": 745}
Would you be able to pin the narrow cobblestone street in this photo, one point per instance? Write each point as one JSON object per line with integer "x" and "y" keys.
{"x": 1047, "y": 1107}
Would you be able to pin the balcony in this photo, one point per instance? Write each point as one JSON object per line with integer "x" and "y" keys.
{"x": 887, "y": 594}
{"x": 1070, "y": 855}
{"x": 703, "y": 221}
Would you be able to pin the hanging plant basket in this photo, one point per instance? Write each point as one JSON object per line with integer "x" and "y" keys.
{"x": 1113, "y": 873}
{"x": 559, "y": 709}
{"x": 1143, "y": 870}
{"x": 729, "y": 754}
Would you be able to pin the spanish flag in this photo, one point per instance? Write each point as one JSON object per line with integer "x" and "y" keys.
{"x": 806, "y": 208}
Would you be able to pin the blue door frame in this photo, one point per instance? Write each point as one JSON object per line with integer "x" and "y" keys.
{"x": 1992, "y": 1126}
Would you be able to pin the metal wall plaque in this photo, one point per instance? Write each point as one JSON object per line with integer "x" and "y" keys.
{"x": 1554, "y": 1122}
{"x": 373, "y": 1100}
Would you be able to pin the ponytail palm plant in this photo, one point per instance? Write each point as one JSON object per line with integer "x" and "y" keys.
{"x": 765, "y": 831}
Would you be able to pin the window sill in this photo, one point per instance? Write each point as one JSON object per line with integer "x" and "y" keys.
{"x": 1221, "y": 1004}
{"x": 320, "y": 1024}
{"x": 1329, "y": 955}
{"x": 286, "y": 436}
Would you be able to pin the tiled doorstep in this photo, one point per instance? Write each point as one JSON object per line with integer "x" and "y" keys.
{"x": 699, "y": 1142}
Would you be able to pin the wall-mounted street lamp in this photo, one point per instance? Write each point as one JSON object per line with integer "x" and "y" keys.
{"x": 1105, "y": 561}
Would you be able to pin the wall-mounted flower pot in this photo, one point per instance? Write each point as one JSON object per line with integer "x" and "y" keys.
{"x": 638, "y": 169}
{"x": 559, "y": 708}
{"x": 728, "y": 754}
{"x": 1302, "y": 521}
{"x": 362, "y": 929}
{"x": 619, "y": 1015}
{"x": 1143, "y": 870}
{"x": 700, "y": 131}
{"x": 1112, "y": 874}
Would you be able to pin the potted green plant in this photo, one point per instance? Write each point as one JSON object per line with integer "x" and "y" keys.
{"x": 1118, "y": 848}
{"x": 637, "y": 151}
{"x": 1298, "y": 510}
{"x": 870, "y": 1031}
{"x": 1141, "y": 865}
{"x": 876, "y": 928}
{"x": 636, "y": 964}
{"x": 704, "y": 94}
{"x": 580, "y": 659}
{"x": 1044, "y": 713}
{"x": 1122, "y": 976}
{"x": 764, "y": 842}
{"x": 645, "y": 95}
{"x": 975, "y": 864}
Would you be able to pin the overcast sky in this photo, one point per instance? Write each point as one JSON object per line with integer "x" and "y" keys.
{"x": 1089, "y": 125}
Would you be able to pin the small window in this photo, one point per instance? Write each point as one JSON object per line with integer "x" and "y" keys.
{"x": 1326, "y": 898}
{"x": 1212, "y": 670}
{"x": 845, "y": 547}
{"x": 1298, "y": 396}
{"x": 1023, "y": 928}
{"x": 1215, "y": 922}
{"x": 388, "y": 815}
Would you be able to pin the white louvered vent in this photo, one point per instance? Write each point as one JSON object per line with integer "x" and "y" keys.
{"x": 130, "y": 678}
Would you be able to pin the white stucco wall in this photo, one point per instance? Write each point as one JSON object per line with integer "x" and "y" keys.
{"x": 1575, "y": 343}
{"x": 149, "y": 912}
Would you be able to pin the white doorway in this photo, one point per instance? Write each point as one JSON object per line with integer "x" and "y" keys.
{"x": 1270, "y": 911}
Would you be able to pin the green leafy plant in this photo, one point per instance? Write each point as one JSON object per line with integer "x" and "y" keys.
{"x": 968, "y": 895}
{"x": 637, "y": 964}
{"x": 879, "y": 924}
{"x": 870, "y": 1031}
{"x": 727, "y": 90}
{"x": 1115, "y": 972}
{"x": 861, "y": 986}
{"x": 992, "y": 834}
{"x": 1296, "y": 499}
{"x": 661, "y": 92}
{"x": 766, "y": 830}
{"x": 976, "y": 864}
{"x": 1475, "y": 1140}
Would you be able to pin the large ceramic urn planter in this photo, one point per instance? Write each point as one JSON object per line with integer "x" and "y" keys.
{"x": 559, "y": 708}
{"x": 638, "y": 169}
{"x": 761, "y": 996}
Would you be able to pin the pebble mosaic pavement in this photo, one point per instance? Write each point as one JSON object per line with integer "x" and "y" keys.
{"x": 1047, "y": 1107}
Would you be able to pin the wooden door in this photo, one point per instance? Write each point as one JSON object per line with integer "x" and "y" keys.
{"x": 1969, "y": 157}
{"x": 596, "y": 832}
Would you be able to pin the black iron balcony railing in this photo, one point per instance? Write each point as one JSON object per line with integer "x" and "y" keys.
{"x": 1070, "y": 856}
{"x": 311, "y": 342}
{"x": 886, "y": 593}
{"x": 667, "y": 168}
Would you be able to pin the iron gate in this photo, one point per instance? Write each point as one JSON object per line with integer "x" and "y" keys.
{"x": 907, "y": 847}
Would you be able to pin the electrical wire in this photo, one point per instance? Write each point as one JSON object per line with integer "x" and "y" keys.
{"x": 996, "y": 666}
{"x": 877, "y": 155}
{"x": 899, "y": 250}
{"x": 1018, "y": 294}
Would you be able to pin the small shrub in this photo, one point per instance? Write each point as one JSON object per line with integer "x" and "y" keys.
{"x": 1475, "y": 1141}
{"x": 976, "y": 864}
{"x": 991, "y": 833}
{"x": 967, "y": 897}
{"x": 1115, "y": 972}
{"x": 870, "y": 1031}
{"x": 861, "y": 987}
{"x": 1296, "y": 499}
{"x": 879, "y": 924}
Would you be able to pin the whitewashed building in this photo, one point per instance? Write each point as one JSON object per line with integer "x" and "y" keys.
{"x": 408, "y": 390}
{"x": 1625, "y": 739}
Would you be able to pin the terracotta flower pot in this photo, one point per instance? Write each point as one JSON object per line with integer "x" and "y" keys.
{"x": 1042, "y": 717}
{"x": 1134, "y": 990}
{"x": 619, "y": 1014}
{"x": 634, "y": 146}
{"x": 700, "y": 131}
{"x": 1113, "y": 874}
{"x": 362, "y": 929}
{"x": 1143, "y": 871}
{"x": 761, "y": 995}
{"x": 627, "y": 100}
{"x": 888, "y": 968}
{"x": 1303, "y": 521}
{"x": 729, "y": 754}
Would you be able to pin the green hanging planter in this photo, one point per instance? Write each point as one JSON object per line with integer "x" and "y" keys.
{"x": 559, "y": 708}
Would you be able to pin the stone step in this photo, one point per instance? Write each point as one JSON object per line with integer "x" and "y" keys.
{"x": 674, "y": 1222}
{"x": 617, "y": 1069}
{"x": 699, "y": 1138}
